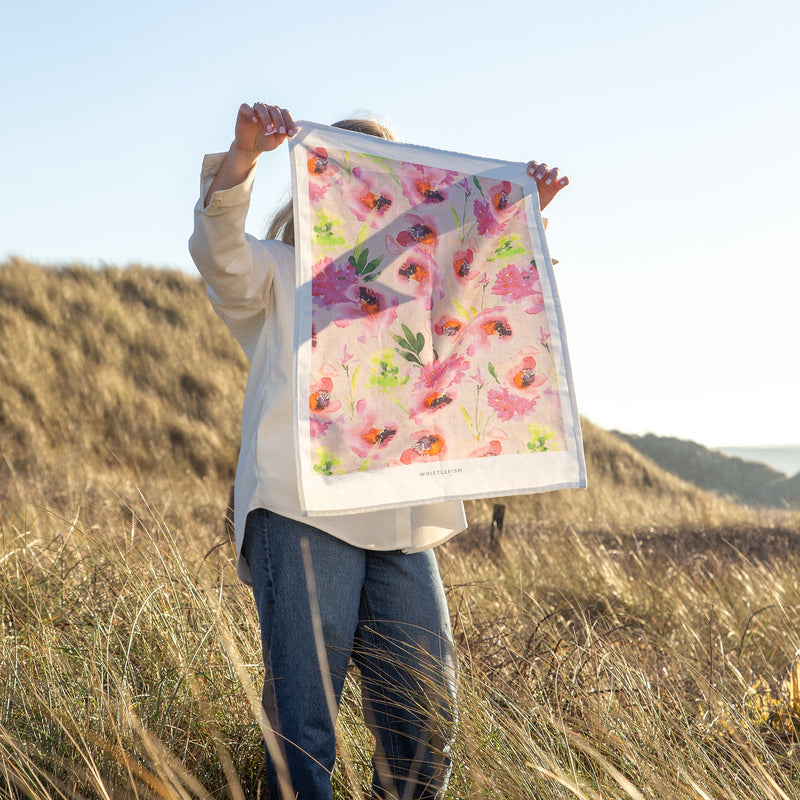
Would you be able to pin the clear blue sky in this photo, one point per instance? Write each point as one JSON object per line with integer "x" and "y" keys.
{"x": 678, "y": 124}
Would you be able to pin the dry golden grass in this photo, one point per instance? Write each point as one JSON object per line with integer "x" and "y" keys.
{"x": 635, "y": 640}
{"x": 115, "y": 365}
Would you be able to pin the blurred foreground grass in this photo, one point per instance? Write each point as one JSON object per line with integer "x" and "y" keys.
{"x": 635, "y": 640}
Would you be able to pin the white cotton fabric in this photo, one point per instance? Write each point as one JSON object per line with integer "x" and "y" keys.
{"x": 251, "y": 285}
{"x": 432, "y": 215}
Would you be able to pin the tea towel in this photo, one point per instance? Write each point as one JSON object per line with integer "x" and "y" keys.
{"x": 431, "y": 359}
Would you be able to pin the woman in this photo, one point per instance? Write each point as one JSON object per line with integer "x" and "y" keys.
{"x": 368, "y": 582}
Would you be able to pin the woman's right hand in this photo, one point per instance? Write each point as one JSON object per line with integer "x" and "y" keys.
{"x": 260, "y": 128}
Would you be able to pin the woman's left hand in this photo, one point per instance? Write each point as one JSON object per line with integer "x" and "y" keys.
{"x": 547, "y": 180}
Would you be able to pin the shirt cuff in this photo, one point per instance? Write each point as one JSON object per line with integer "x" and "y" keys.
{"x": 223, "y": 198}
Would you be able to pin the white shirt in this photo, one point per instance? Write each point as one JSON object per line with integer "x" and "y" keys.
{"x": 251, "y": 285}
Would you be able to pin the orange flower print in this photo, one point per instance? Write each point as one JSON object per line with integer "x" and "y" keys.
{"x": 321, "y": 399}
{"x": 523, "y": 376}
{"x": 367, "y": 200}
{"x": 320, "y": 171}
{"x": 427, "y": 447}
{"x": 425, "y": 185}
{"x": 486, "y": 328}
{"x": 462, "y": 265}
{"x": 417, "y": 231}
{"x": 493, "y": 213}
{"x": 448, "y": 326}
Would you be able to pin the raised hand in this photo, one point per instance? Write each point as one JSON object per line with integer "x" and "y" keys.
{"x": 261, "y": 127}
{"x": 548, "y": 183}
{"x": 258, "y": 129}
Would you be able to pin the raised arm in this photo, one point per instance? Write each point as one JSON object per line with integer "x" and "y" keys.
{"x": 259, "y": 128}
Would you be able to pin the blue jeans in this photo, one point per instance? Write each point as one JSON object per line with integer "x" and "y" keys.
{"x": 387, "y": 611}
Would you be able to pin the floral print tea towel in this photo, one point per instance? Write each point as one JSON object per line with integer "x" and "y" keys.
{"x": 431, "y": 358}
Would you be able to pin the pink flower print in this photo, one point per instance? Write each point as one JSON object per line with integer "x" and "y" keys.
{"x": 320, "y": 171}
{"x": 523, "y": 375}
{"x": 508, "y": 404}
{"x": 462, "y": 265}
{"x": 492, "y": 448}
{"x": 435, "y": 388}
{"x": 319, "y": 427}
{"x": 486, "y": 328}
{"x": 417, "y": 231}
{"x": 420, "y": 271}
{"x": 555, "y": 399}
{"x": 416, "y": 267}
{"x": 372, "y": 309}
{"x": 487, "y": 224}
{"x": 346, "y": 355}
{"x": 429, "y": 402}
{"x": 466, "y": 185}
{"x": 332, "y": 283}
{"x": 448, "y": 326}
{"x": 321, "y": 399}
{"x": 515, "y": 284}
{"x": 318, "y": 163}
{"x": 425, "y": 185}
{"x": 544, "y": 337}
{"x": 478, "y": 377}
{"x": 367, "y": 201}
{"x": 370, "y": 434}
{"x": 427, "y": 446}
{"x": 440, "y": 375}
{"x": 494, "y": 212}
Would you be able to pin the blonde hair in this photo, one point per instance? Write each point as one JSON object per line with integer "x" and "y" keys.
{"x": 281, "y": 226}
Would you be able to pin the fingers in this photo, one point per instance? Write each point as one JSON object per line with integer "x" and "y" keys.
{"x": 536, "y": 169}
{"x": 548, "y": 182}
{"x": 548, "y": 177}
{"x": 288, "y": 123}
{"x": 274, "y": 119}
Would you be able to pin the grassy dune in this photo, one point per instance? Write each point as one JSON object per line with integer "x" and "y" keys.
{"x": 634, "y": 640}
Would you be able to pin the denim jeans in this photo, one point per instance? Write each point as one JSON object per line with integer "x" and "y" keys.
{"x": 386, "y": 611}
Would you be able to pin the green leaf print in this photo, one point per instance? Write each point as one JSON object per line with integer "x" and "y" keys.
{"x": 411, "y": 345}
{"x": 326, "y": 232}
{"x": 508, "y": 247}
{"x": 540, "y": 436}
{"x": 386, "y": 375}
{"x": 328, "y": 463}
{"x": 365, "y": 268}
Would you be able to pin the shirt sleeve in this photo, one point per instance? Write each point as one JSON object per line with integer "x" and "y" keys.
{"x": 238, "y": 268}
{"x": 237, "y": 271}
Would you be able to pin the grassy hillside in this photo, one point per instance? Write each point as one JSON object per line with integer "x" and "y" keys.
{"x": 115, "y": 366}
{"x": 129, "y": 371}
{"x": 744, "y": 481}
{"x": 634, "y": 640}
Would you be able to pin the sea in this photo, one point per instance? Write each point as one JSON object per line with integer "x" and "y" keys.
{"x": 784, "y": 458}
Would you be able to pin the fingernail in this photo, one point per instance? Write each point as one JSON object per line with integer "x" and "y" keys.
{"x": 531, "y": 170}
{"x": 281, "y": 129}
{"x": 270, "y": 129}
{"x": 292, "y": 131}
{"x": 563, "y": 181}
{"x": 548, "y": 181}
{"x": 539, "y": 176}
{"x": 255, "y": 118}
